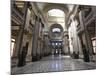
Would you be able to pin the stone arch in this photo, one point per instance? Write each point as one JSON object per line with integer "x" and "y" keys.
{"x": 56, "y": 26}
{"x": 51, "y": 6}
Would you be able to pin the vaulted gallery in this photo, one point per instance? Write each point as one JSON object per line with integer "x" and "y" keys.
{"x": 52, "y": 32}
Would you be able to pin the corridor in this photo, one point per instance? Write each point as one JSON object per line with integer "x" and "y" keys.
{"x": 52, "y": 37}
{"x": 54, "y": 64}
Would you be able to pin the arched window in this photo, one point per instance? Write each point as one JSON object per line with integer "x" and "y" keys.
{"x": 56, "y": 12}
{"x": 56, "y": 30}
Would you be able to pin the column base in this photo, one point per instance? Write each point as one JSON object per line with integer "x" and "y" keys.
{"x": 46, "y": 54}
{"x": 86, "y": 59}
{"x": 36, "y": 58}
{"x": 21, "y": 61}
{"x": 14, "y": 61}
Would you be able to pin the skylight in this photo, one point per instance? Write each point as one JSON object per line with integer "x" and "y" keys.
{"x": 56, "y": 13}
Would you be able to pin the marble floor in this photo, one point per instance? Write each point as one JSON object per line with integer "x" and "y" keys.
{"x": 54, "y": 64}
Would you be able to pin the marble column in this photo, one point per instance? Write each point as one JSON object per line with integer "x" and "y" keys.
{"x": 80, "y": 47}
{"x": 46, "y": 51}
{"x": 21, "y": 34}
{"x": 29, "y": 56}
{"x": 66, "y": 50}
{"x": 39, "y": 39}
{"x": 45, "y": 47}
{"x": 85, "y": 36}
{"x": 41, "y": 45}
{"x": 35, "y": 40}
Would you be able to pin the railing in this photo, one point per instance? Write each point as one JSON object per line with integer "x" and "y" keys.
{"x": 89, "y": 16}
{"x": 16, "y": 13}
{"x": 87, "y": 20}
{"x": 78, "y": 27}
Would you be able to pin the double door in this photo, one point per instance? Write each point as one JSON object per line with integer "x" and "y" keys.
{"x": 56, "y": 46}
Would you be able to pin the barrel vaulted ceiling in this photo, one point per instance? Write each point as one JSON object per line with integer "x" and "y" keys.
{"x": 45, "y": 7}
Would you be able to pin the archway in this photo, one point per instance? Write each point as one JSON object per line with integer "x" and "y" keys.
{"x": 49, "y": 7}
{"x": 56, "y": 16}
{"x": 56, "y": 32}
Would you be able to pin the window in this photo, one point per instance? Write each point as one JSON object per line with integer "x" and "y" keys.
{"x": 53, "y": 44}
{"x": 56, "y": 12}
{"x": 56, "y": 44}
{"x": 12, "y": 46}
{"x": 94, "y": 45}
{"x": 56, "y": 30}
{"x": 59, "y": 43}
{"x": 19, "y": 5}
